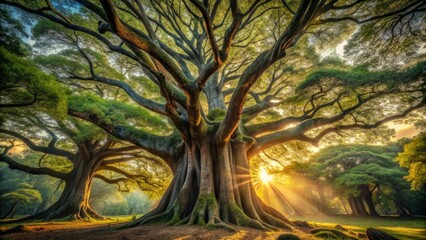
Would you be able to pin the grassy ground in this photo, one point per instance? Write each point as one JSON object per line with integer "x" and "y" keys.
{"x": 403, "y": 228}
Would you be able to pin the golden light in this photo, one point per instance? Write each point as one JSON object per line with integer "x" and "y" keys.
{"x": 264, "y": 176}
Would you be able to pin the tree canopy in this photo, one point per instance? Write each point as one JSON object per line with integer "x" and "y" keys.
{"x": 414, "y": 158}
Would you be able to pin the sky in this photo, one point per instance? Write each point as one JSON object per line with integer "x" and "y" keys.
{"x": 403, "y": 130}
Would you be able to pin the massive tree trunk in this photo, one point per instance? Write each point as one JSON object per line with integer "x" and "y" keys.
{"x": 212, "y": 186}
{"x": 74, "y": 200}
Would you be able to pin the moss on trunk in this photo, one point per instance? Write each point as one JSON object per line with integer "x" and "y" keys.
{"x": 212, "y": 187}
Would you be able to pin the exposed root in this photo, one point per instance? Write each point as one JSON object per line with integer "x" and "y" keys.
{"x": 87, "y": 214}
{"x": 205, "y": 211}
{"x": 235, "y": 215}
{"x": 96, "y": 215}
{"x": 220, "y": 225}
{"x": 183, "y": 221}
{"x": 203, "y": 173}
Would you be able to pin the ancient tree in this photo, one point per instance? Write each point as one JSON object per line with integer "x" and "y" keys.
{"x": 232, "y": 79}
{"x": 85, "y": 154}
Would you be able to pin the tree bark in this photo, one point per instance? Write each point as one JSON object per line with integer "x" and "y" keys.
{"x": 212, "y": 187}
{"x": 214, "y": 94}
{"x": 357, "y": 206}
{"x": 74, "y": 200}
{"x": 366, "y": 195}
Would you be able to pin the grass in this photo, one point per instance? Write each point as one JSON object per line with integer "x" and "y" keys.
{"x": 402, "y": 228}
{"x": 65, "y": 222}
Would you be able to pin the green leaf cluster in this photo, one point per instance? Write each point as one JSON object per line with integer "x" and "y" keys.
{"x": 360, "y": 76}
{"x": 21, "y": 80}
{"x": 414, "y": 158}
{"x": 116, "y": 112}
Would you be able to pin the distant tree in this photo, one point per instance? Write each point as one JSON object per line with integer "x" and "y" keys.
{"x": 22, "y": 83}
{"x": 414, "y": 159}
{"x": 88, "y": 154}
{"x": 356, "y": 171}
{"x": 87, "y": 151}
{"x": 17, "y": 194}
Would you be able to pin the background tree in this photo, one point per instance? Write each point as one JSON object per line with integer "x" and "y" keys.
{"x": 17, "y": 195}
{"x": 21, "y": 82}
{"x": 89, "y": 154}
{"x": 365, "y": 175}
{"x": 194, "y": 54}
{"x": 414, "y": 158}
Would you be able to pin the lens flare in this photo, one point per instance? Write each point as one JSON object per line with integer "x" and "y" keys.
{"x": 264, "y": 176}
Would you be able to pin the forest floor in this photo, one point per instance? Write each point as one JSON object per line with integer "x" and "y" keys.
{"x": 103, "y": 230}
{"x": 402, "y": 228}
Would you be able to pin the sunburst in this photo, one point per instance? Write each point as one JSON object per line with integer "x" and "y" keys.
{"x": 265, "y": 177}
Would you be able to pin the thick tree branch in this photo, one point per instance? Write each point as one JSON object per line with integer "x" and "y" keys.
{"x": 31, "y": 170}
{"x": 121, "y": 171}
{"x": 157, "y": 145}
{"x": 338, "y": 128}
{"x": 415, "y": 4}
{"x": 50, "y": 149}
{"x": 306, "y": 12}
{"x": 298, "y": 132}
{"x": 23, "y": 104}
{"x": 144, "y": 44}
{"x": 111, "y": 180}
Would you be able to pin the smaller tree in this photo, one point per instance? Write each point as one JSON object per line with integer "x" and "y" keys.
{"x": 357, "y": 171}
{"x": 84, "y": 152}
{"x": 414, "y": 158}
{"x": 18, "y": 194}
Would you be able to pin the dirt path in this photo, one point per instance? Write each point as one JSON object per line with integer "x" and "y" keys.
{"x": 103, "y": 231}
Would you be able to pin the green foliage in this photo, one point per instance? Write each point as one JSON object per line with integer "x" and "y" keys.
{"x": 108, "y": 201}
{"x": 347, "y": 168}
{"x": 56, "y": 62}
{"x": 45, "y": 26}
{"x": 21, "y": 81}
{"x": 115, "y": 112}
{"x": 398, "y": 37}
{"x": 11, "y": 33}
{"x": 20, "y": 188}
{"x": 359, "y": 77}
{"x": 331, "y": 162}
{"x": 414, "y": 158}
{"x": 23, "y": 195}
{"x": 216, "y": 114}
{"x": 403, "y": 228}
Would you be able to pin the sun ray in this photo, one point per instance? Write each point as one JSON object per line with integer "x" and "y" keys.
{"x": 264, "y": 176}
